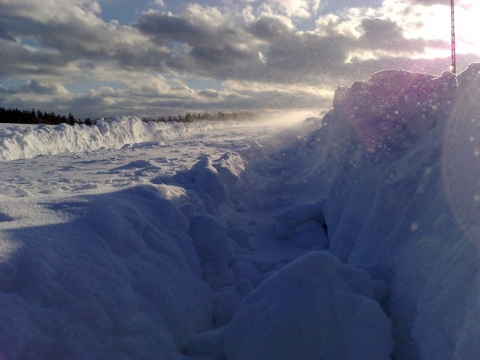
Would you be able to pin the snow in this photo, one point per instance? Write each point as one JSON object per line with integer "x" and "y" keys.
{"x": 18, "y": 142}
{"x": 313, "y": 308}
{"x": 351, "y": 237}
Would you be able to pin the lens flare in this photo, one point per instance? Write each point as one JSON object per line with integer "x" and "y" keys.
{"x": 461, "y": 157}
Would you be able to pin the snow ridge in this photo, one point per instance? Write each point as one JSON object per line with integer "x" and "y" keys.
{"x": 18, "y": 142}
{"x": 402, "y": 154}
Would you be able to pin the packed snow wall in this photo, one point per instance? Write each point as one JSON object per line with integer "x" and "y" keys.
{"x": 400, "y": 175}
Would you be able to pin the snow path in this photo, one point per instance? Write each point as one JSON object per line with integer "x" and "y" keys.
{"x": 349, "y": 239}
{"x": 73, "y": 222}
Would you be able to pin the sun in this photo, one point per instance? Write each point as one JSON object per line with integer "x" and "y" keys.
{"x": 433, "y": 25}
{"x": 467, "y": 26}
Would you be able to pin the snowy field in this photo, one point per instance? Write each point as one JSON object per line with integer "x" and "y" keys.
{"x": 354, "y": 236}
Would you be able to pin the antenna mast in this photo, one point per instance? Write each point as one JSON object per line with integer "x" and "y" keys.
{"x": 453, "y": 67}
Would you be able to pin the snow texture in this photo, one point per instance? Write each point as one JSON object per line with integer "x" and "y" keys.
{"x": 17, "y": 141}
{"x": 313, "y": 308}
{"x": 351, "y": 237}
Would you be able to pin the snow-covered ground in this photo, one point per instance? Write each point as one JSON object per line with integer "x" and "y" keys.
{"x": 351, "y": 237}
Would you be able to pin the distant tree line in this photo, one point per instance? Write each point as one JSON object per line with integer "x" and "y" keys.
{"x": 189, "y": 117}
{"x": 15, "y": 116}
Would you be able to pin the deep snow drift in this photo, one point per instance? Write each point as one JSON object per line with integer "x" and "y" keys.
{"x": 353, "y": 237}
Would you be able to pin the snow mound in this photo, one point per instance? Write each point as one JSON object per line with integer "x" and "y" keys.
{"x": 313, "y": 308}
{"x": 394, "y": 108}
{"x": 119, "y": 280}
{"x": 400, "y": 163}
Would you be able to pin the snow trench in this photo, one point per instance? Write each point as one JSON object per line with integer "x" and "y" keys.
{"x": 389, "y": 186}
{"x": 356, "y": 238}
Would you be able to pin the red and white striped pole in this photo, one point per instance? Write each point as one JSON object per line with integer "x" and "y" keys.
{"x": 453, "y": 67}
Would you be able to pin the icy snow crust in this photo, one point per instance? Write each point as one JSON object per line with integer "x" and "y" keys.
{"x": 353, "y": 237}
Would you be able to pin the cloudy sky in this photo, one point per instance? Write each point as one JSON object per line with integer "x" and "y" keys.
{"x": 165, "y": 57}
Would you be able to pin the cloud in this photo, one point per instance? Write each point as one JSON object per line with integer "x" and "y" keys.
{"x": 385, "y": 34}
{"x": 271, "y": 29}
{"x": 428, "y": 2}
{"x": 209, "y": 93}
{"x": 43, "y": 88}
{"x": 27, "y": 61}
{"x": 5, "y": 35}
{"x": 68, "y": 33}
{"x": 196, "y": 26}
{"x": 291, "y": 8}
{"x": 280, "y": 48}
{"x": 265, "y": 48}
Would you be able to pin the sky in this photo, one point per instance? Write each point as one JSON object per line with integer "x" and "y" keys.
{"x": 150, "y": 58}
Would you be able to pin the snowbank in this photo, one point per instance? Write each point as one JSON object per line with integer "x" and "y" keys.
{"x": 400, "y": 179}
{"x": 117, "y": 279}
{"x": 18, "y": 142}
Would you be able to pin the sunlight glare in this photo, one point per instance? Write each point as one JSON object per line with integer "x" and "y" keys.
{"x": 467, "y": 26}
{"x": 432, "y": 23}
